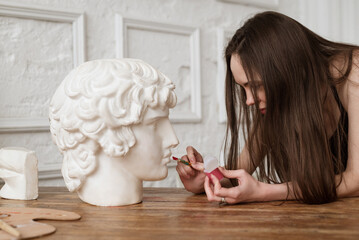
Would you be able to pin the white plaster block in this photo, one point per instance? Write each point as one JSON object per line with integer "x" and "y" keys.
{"x": 18, "y": 168}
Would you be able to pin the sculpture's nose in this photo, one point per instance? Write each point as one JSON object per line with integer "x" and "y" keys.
{"x": 174, "y": 140}
{"x": 171, "y": 137}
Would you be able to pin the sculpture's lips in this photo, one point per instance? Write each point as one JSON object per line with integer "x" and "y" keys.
{"x": 166, "y": 160}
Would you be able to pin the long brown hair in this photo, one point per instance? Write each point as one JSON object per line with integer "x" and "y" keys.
{"x": 294, "y": 65}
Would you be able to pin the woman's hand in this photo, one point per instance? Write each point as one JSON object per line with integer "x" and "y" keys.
{"x": 248, "y": 189}
{"x": 193, "y": 176}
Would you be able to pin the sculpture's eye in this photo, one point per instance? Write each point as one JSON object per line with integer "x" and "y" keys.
{"x": 155, "y": 125}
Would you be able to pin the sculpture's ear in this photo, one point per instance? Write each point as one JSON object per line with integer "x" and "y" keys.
{"x": 78, "y": 163}
{"x": 117, "y": 142}
{"x": 72, "y": 174}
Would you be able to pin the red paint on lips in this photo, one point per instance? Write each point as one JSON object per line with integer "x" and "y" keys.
{"x": 263, "y": 110}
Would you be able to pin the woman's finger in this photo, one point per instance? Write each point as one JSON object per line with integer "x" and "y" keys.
{"x": 191, "y": 153}
{"x": 229, "y": 200}
{"x": 189, "y": 169}
{"x": 222, "y": 192}
{"x": 217, "y": 185}
{"x": 209, "y": 191}
{"x": 185, "y": 157}
{"x": 185, "y": 171}
{"x": 232, "y": 173}
{"x": 198, "y": 166}
{"x": 212, "y": 197}
{"x": 181, "y": 173}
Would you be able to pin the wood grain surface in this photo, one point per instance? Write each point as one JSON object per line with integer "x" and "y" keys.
{"x": 172, "y": 213}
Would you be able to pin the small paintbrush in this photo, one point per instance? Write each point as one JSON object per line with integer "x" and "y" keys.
{"x": 182, "y": 161}
{"x": 9, "y": 229}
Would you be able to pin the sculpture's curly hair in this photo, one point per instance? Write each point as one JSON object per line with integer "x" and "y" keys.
{"x": 95, "y": 106}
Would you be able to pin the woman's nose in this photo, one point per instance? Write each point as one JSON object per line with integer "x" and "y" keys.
{"x": 250, "y": 99}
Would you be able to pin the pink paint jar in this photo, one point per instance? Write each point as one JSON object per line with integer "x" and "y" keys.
{"x": 211, "y": 167}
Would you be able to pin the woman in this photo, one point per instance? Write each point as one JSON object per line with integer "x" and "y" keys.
{"x": 295, "y": 97}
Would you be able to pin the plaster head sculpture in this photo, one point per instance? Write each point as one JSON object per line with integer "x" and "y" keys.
{"x": 109, "y": 119}
{"x": 18, "y": 169}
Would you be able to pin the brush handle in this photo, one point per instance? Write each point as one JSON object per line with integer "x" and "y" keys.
{"x": 185, "y": 162}
{"x": 182, "y": 161}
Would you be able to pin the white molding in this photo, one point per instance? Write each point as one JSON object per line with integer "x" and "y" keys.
{"x": 349, "y": 32}
{"x": 333, "y": 19}
{"x": 10, "y": 9}
{"x": 50, "y": 174}
{"x": 78, "y": 32}
{"x": 336, "y": 21}
{"x": 222, "y": 36}
{"x": 268, "y": 4}
{"x": 123, "y": 24}
{"x": 77, "y": 19}
{"x": 9, "y": 125}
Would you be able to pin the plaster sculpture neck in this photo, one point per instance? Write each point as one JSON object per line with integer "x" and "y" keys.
{"x": 111, "y": 179}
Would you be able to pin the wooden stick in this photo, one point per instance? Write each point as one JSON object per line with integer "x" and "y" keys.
{"x": 9, "y": 229}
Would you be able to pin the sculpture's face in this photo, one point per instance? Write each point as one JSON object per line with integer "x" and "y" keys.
{"x": 155, "y": 137}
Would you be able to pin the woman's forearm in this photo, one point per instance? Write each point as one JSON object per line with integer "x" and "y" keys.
{"x": 273, "y": 192}
{"x": 348, "y": 185}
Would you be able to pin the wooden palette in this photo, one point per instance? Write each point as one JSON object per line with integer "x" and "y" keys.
{"x": 22, "y": 220}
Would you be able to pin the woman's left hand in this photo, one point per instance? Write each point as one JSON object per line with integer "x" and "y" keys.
{"x": 248, "y": 189}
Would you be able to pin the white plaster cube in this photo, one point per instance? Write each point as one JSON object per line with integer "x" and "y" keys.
{"x": 18, "y": 169}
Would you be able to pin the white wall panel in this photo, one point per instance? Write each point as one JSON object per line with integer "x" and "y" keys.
{"x": 336, "y": 20}
{"x": 270, "y": 4}
{"x": 39, "y": 46}
{"x": 174, "y": 50}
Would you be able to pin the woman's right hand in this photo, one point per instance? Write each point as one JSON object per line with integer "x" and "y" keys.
{"x": 193, "y": 176}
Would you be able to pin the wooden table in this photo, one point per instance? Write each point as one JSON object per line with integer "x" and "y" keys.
{"x": 172, "y": 213}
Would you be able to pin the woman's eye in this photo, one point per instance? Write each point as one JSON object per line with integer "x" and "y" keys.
{"x": 256, "y": 85}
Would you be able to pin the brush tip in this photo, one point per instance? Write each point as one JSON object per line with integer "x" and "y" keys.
{"x": 174, "y": 158}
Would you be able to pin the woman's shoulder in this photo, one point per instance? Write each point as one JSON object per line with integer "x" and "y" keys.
{"x": 351, "y": 84}
{"x": 339, "y": 65}
{"x": 354, "y": 74}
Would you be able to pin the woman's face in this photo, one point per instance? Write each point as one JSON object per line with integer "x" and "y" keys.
{"x": 241, "y": 79}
